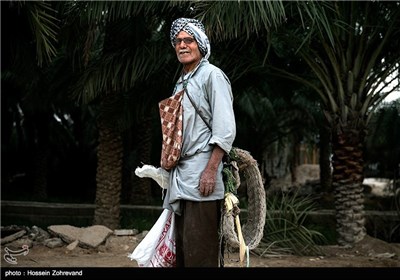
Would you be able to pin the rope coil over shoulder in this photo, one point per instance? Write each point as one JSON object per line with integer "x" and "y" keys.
{"x": 253, "y": 229}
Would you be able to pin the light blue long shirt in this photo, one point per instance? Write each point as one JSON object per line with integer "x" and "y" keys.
{"x": 210, "y": 90}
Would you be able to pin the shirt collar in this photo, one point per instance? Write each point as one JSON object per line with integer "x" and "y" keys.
{"x": 187, "y": 76}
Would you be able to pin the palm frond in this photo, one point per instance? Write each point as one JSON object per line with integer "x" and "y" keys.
{"x": 317, "y": 16}
{"x": 44, "y": 23}
{"x": 118, "y": 72}
{"x": 98, "y": 11}
{"x": 285, "y": 227}
{"x": 230, "y": 20}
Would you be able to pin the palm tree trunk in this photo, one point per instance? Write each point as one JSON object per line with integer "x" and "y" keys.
{"x": 324, "y": 160}
{"x": 108, "y": 177}
{"x": 347, "y": 184}
{"x": 141, "y": 192}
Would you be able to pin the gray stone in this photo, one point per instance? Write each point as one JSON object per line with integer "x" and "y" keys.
{"x": 90, "y": 237}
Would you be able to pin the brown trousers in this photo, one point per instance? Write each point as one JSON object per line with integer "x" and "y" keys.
{"x": 196, "y": 231}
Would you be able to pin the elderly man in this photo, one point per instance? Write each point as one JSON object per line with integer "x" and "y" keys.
{"x": 196, "y": 187}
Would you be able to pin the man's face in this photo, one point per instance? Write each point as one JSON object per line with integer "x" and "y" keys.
{"x": 188, "y": 52}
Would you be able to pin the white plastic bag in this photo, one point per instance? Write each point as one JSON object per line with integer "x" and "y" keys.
{"x": 157, "y": 249}
{"x": 160, "y": 175}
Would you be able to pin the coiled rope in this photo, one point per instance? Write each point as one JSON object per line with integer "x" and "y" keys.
{"x": 253, "y": 229}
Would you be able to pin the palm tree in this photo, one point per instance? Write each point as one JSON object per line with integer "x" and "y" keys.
{"x": 352, "y": 62}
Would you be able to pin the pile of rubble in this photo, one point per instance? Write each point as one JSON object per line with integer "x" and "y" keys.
{"x": 16, "y": 237}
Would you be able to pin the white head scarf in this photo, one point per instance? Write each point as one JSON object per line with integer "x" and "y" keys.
{"x": 194, "y": 28}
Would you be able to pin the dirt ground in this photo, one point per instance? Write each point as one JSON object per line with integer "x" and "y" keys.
{"x": 370, "y": 252}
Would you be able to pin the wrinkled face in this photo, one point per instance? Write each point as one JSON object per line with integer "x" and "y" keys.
{"x": 187, "y": 50}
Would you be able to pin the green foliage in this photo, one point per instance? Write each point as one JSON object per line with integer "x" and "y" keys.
{"x": 44, "y": 26}
{"x": 229, "y": 178}
{"x": 231, "y": 19}
{"x": 285, "y": 230}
